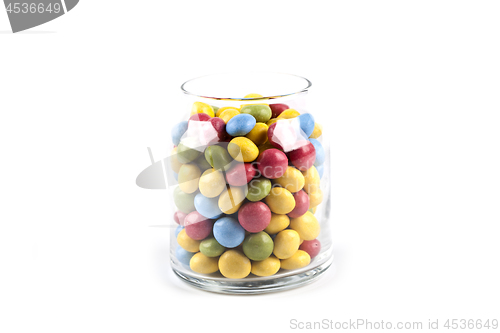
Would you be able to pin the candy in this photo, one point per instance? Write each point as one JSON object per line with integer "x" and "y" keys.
{"x": 228, "y": 232}
{"x": 312, "y": 247}
{"x": 320, "y": 152}
{"x": 189, "y": 177}
{"x": 231, "y": 199}
{"x": 174, "y": 162}
{"x": 211, "y": 248}
{"x": 261, "y": 112}
{"x": 240, "y": 174}
{"x": 253, "y": 96}
{"x": 306, "y": 123}
{"x": 208, "y": 207}
{"x": 311, "y": 179}
{"x": 292, "y": 180}
{"x": 212, "y": 183}
{"x": 258, "y": 134}
{"x": 258, "y": 246}
{"x": 183, "y": 256}
{"x": 277, "y": 109}
{"x": 298, "y": 260}
{"x": 315, "y": 198}
{"x": 202, "y": 163}
{"x": 280, "y": 201}
{"x": 178, "y": 230}
{"x": 278, "y": 222}
{"x": 183, "y": 201}
{"x": 304, "y": 156}
{"x": 200, "y": 117}
{"x": 272, "y": 163}
{"x": 254, "y": 216}
{"x": 240, "y": 125}
{"x": 186, "y": 154}
{"x": 271, "y": 121}
{"x": 288, "y": 114}
{"x": 307, "y": 226}
{"x": 258, "y": 189}
{"x": 219, "y": 112}
{"x": 321, "y": 170}
{"x": 318, "y": 130}
{"x": 243, "y": 149}
{"x": 197, "y": 226}
{"x": 228, "y": 115}
{"x": 200, "y": 107}
{"x": 218, "y": 157}
{"x": 179, "y": 217}
{"x": 266, "y": 267}
{"x": 187, "y": 243}
{"x": 270, "y": 136}
{"x": 301, "y": 204}
{"x": 220, "y": 127}
{"x": 286, "y": 243}
{"x": 234, "y": 265}
{"x": 178, "y": 131}
{"x": 202, "y": 264}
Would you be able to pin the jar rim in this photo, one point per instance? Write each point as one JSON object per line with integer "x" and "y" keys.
{"x": 290, "y": 84}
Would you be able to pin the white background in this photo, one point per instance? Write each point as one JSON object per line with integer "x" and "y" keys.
{"x": 408, "y": 90}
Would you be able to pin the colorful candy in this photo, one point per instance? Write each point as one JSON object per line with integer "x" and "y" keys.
{"x": 231, "y": 199}
{"x": 183, "y": 256}
{"x": 280, "y": 201}
{"x": 258, "y": 189}
{"x": 233, "y": 264}
{"x": 278, "y": 223}
{"x": 240, "y": 124}
{"x": 304, "y": 156}
{"x": 258, "y": 246}
{"x": 277, "y": 109}
{"x": 272, "y": 163}
{"x": 197, "y": 226}
{"x": 228, "y": 232}
{"x": 202, "y": 264}
{"x": 261, "y": 112}
{"x": 258, "y": 134}
{"x": 187, "y": 243}
{"x": 301, "y": 204}
{"x": 266, "y": 267}
{"x": 218, "y": 157}
{"x": 240, "y": 174}
{"x": 254, "y": 216}
{"x": 200, "y": 107}
{"x": 306, "y": 123}
{"x": 243, "y": 149}
{"x": 292, "y": 180}
{"x": 312, "y": 247}
{"x": 298, "y": 260}
{"x": 320, "y": 152}
{"x": 307, "y": 226}
{"x": 184, "y": 201}
{"x": 208, "y": 207}
{"x": 178, "y": 131}
{"x": 189, "y": 177}
{"x": 211, "y": 247}
{"x": 286, "y": 243}
{"x": 212, "y": 183}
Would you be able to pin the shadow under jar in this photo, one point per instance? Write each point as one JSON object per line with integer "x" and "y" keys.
{"x": 249, "y": 185}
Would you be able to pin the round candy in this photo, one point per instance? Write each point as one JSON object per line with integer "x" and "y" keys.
{"x": 202, "y": 163}
{"x": 234, "y": 265}
{"x": 178, "y": 230}
{"x": 212, "y": 183}
{"x": 312, "y": 247}
{"x": 266, "y": 267}
{"x": 307, "y": 226}
{"x": 208, "y": 207}
{"x": 254, "y": 216}
{"x": 186, "y": 154}
{"x": 228, "y": 232}
{"x": 197, "y": 226}
{"x": 261, "y": 112}
{"x": 183, "y": 201}
{"x": 178, "y": 131}
{"x": 202, "y": 264}
{"x": 183, "y": 256}
{"x": 272, "y": 163}
{"x": 179, "y": 217}
{"x": 243, "y": 149}
{"x": 301, "y": 204}
{"x": 315, "y": 198}
{"x": 271, "y": 121}
{"x": 240, "y": 174}
{"x": 258, "y": 189}
{"x": 187, "y": 243}
{"x": 276, "y": 109}
{"x": 320, "y": 152}
{"x": 306, "y": 123}
{"x": 211, "y": 247}
{"x": 240, "y": 125}
{"x": 299, "y": 259}
{"x": 258, "y": 134}
{"x": 189, "y": 177}
{"x": 200, "y": 117}
{"x": 200, "y": 107}
{"x": 311, "y": 179}
{"x": 253, "y": 96}
{"x": 318, "y": 130}
{"x": 288, "y": 114}
{"x": 218, "y": 157}
{"x": 280, "y": 201}
{"x": 286, "y": 243}
{"x": 219, "y": 112}
{"x": 321, "y": 170}
{"x": 231, "y": 199}
{"x": 228, "y": 114}
{"x": 220, "y": 127}
{"x": 304, "y": 156}
{"x": 258, "y": 246}
{"x": 292, "y": 180}
{"x": 278, "y": 222}
{"x": 174, "y": 162}
{"x": 270, "y": 136}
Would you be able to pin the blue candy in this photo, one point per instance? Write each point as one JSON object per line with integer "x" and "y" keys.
{"x": 176, "y": 176}
{"x": 240, "y": 125}
{"x": 183, "y": 256}
{"x": 178, "y": 229}
{"x": 321, "y": 170}
{"x": 228, "y": 232}
{"x": 178, "y": 131}
{"x": 207, "y": 207}
{"x": 306, "y": 123}
{"x": 320, "y": 152}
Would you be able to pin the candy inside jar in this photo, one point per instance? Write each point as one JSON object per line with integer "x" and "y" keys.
{"x": 249, "y": 195}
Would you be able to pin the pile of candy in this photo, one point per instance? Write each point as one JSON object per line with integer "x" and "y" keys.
{"x": 248, "y": 188}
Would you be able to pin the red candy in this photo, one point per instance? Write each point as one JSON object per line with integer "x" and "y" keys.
{"x": 197, "y": 226}
{"x": 301, "y": 204}
{"x": 276, "y": 109}
{"x": 270, "y": 136}
{"x": 312, "y": 247}
{"x": 254, "y": 216}
{"x": 272, "y": 163}
{"x": 241, "y": 174}
{"x": 200, "y": 117}
{"x": 179, "y": 217}
{"x": 303, "y": 158}
{"x": 220, "y": 126}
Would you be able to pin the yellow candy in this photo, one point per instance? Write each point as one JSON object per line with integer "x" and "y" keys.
{"x": 318, "y": 130}
{"x": 199, "y": 107}
{"x": 231, "y": 199}
{"x": 299, "y": 259}
{"x": 233, "y": 264}
{"x": 278, "y": 222}
{"x": 307, "y": 226}
{"x": 311, "y": 179}
{"x": 253, "y": 96}
{"x": 271, "y": 121}
{"x": 243, "y": 149}
{"x": 226, "y": 115}
{"x": 288, "y": 114}
{"x": 292, "y": 180}
{"x": 219, "y": 112}
{"x": 266, "y": 267}
{"x": 280, "y": 201}
{"x": 174, "y": 162}
{"x": 286, "y": 243}
{"x": 258, "y": 134}
{"x": 187, "y": 243}
{"x": 265, "y": 146}
{"x": 202, "y": 264}
{"x": 212, "y": 183}
{"x": 189, "y": 177}
{"x": 315, "y": 198}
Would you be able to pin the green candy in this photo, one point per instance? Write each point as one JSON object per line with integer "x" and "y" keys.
{"x": 258, "y": 246}
{"x": 202, "y": 163}
{"x": 184, "y": 201}
{"x": 261, "y": 112}
{"x": 258, "y": 189}
{"x": 211, "y": 248}
{"x": 218, "y": 158}
{"x": 186, "y": 154}
{"x": 215, "y": 109}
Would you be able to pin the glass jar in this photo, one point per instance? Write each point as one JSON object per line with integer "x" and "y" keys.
{"x": 249, "y": 185}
